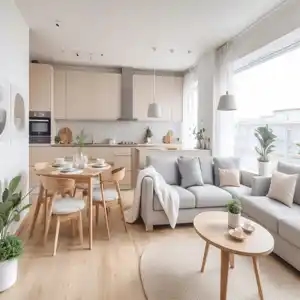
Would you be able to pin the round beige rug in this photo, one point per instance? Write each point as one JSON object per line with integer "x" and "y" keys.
{"x": 170, "y": 270}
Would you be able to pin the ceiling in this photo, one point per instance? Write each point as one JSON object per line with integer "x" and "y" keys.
{"x": 124, "y": 32}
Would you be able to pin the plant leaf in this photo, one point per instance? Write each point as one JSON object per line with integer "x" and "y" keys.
{"x": 14, "y": 183}
{"x": 5, "y": 195}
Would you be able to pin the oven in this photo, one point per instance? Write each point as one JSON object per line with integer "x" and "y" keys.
{"x": 39, "y": 127}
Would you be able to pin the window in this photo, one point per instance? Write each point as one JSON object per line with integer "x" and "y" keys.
{"x": 269, "y": 93}
{"x": 190, "y": 112}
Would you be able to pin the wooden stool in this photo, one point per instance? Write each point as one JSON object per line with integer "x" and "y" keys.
{"x": 63, "y": 209}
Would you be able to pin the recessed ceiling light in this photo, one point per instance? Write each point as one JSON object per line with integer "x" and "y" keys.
{"x": 189, "y": 51}
{"x": 77, "y": 54}
{"x": 102, "y": 54}
{"x": 171, "y": 50}
{"x": 57, "y": 24}
{"x": 154, "y": 49}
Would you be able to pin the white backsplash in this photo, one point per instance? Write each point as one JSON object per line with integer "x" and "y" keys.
{"x": 134, "y": 131}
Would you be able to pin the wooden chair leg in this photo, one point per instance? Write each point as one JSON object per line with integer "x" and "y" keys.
{"x": 121, "y": 205}
{"x": 56, "y": 235}
{"x": 48, "y": 220}
{"x": 105, "y": 211}
{"x": 45, "y": 211}
{"x": 73, "y": 224}
{"x": 80, "y": 228}
{"x": 97, "y": 207}
{"x": 35, "y": 216}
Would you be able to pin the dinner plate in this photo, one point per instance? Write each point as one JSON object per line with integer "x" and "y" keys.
{"x": 69, "y": 170}
{"x": 97, "y": 166}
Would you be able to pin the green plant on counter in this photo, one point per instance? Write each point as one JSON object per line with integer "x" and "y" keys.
{"x": 199, "y": 135}
{"x": 234, "y": 206}
{"x": 266, "y": 139}
{"x": 57, "y": 139}
{"x": 80, "y": 139}
{"x": 10, "y": 211}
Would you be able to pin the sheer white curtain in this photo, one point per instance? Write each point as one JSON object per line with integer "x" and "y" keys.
{"x": 224, "y": 129}
{"x": 190, "y": 109}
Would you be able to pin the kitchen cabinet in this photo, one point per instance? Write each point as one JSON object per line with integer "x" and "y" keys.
{"x": 59, "y": 98}
{"x": 93, "y": 96}
{"x": 169, "y": 94}
{"x": 40, "y": 87}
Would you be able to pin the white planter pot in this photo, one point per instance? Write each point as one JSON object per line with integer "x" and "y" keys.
{"x": 8, "y": 274}
{"x": 234, "y": 220}
{"x": 263, "y": 168}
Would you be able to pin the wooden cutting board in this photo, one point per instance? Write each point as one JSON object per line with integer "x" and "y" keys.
{"x": 65, "y": 135}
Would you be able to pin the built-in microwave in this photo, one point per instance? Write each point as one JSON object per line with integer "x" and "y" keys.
{"x": 40, "y": 127}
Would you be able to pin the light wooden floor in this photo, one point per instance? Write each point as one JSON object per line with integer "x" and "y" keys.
{"x": 108, "y": 272}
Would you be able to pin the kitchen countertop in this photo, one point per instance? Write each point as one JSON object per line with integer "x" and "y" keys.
{"x": 106, "y": 145}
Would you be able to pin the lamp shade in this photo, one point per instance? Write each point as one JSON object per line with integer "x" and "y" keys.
{"x": 154, "y": 110}
{"x": 227, "y": 102}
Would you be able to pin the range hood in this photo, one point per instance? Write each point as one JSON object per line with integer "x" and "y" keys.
{"x": 127, "y": 95}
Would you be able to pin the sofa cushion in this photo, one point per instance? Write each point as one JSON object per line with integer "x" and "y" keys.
{"x": 186, "y": 199}
{"x": 166, "y": 166}
{"x": 291, "y": 169}
{"x": 190, "y": 171}
{"x": 267, "y": 211}
{"x": 210, "y": 196}
{"x": 239, "y": 191}
{"x": 282, "y": 187}
{"x": 289, "y": 229}
{"x": 206, "y": 164}
{"x": 224, "y": 163}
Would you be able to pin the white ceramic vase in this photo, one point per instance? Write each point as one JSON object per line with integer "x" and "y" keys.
{"x": 8, "y": 274}
{"x": 263, "y": 168}
{"x": 234, "y": 220}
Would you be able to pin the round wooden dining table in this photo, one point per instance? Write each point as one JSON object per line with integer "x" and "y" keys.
{"x": 82, "y": 176}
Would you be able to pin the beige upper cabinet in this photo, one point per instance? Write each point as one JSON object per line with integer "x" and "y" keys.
{"x": 41, "y": 87}
{"x": 59, "y": 99}
{"x": 91, "y": 95}
{"x": 168, "y": 94}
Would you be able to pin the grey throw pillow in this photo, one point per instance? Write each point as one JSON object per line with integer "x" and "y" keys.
{"x": 190, "y": 171}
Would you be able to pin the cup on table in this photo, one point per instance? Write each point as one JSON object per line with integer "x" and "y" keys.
{"x": 100, "y": 161}
{"x": 59, "y": 161}
{"x": 68, "y": 165}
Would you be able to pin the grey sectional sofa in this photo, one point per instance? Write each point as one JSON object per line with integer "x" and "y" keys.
{"x": 282, "y": 221}
{"x": 195, "y": 199}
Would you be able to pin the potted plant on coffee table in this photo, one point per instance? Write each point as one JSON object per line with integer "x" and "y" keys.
{"x": 234, "y": 213}
{"x": 266, "y": 139}
{"x": 11, "y": 247}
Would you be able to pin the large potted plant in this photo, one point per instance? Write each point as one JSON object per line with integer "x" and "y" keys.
{"x": 266, "y": 139}
{"x": 11, "y": 246}
{"x": 234, "y": 213}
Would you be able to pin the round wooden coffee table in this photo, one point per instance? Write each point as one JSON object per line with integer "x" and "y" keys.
{"x": 212, "y": 227}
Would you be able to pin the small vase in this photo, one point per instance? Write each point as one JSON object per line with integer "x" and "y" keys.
{"x": 148, "y": 140}
{"x": 79, "y": 159}
{"x": 234, "y": 220}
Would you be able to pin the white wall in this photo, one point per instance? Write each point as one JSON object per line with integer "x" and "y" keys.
{"x": 14, "y": 77}
{"x": 275, "y": 25}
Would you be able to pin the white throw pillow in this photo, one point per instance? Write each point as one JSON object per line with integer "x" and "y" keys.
{"x": 282, "y": 187}
{"x": 229, "y": 177}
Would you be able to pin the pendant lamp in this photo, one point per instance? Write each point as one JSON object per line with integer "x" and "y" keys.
{"x": 227, "y": 102}
{"x": 154, "y": 109}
